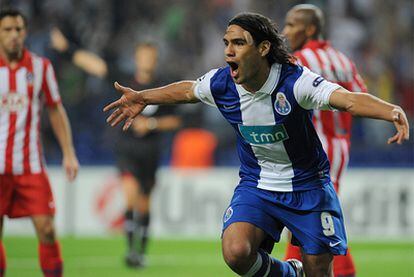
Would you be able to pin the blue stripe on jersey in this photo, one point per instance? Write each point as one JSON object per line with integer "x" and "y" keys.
{"x": 309, "y": 161}
{"x": 227, "y": 100}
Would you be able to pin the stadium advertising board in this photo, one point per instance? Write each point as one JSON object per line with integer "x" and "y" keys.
{"x": 378, "y": 203}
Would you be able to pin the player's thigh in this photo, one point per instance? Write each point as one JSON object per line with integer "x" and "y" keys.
{"x": 242, "y": 238}
{"x": 246, "y": 222}
{"x": 45, "y": 227}
{"x": 32, "y": 196}
{"x": 320, "y": 229}
{"x": 318, "y": 265}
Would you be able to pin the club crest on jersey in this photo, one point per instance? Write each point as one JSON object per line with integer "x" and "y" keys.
{"x": 228, "y": 214}
{"x": 29, "y": 78}
{"x": 282, "y": 105}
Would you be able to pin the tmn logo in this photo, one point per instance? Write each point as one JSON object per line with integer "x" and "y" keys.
{"x": 264, "y": 134}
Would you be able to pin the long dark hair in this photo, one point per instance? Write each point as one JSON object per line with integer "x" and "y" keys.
{"x": 261, "y": 28}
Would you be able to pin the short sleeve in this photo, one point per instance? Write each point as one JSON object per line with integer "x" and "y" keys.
{"x": 202, "y": 89}
{"x": 50, "y": 86}
{"x": 312, "y": 91}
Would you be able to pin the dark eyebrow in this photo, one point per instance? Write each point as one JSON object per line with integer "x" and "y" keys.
{"x": 239, "y": 40}
{"x": 235, "y": 40}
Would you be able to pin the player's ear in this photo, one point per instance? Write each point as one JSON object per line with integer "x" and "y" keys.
{"x": 264, "y": 48}
{"x": 310, "y": 31}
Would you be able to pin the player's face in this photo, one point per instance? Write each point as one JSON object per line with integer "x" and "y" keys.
{"x": 295, "y": 30}
{"x": 146, "y": 58}
{"x": 12, "y": 35}
{"x": 242, "y": 55}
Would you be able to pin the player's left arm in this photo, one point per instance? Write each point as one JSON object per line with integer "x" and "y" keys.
{"x": 367, "y": 105}
{"x": 61, "y": 127}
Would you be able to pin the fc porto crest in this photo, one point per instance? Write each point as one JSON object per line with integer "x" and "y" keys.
{"x": 228, "y": 214}
{"x": 282, "y": 105}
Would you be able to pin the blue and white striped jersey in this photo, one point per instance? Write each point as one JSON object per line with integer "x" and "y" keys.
{"x": 277, "y": 144}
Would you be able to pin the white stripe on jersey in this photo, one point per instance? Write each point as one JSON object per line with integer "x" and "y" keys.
{"x": 347, "y": 65}
{"x": 340, "y": 73}
{"x": 257, "y": 110}
{"x": 18, "y": 145}
{"x": 326, "y": 64}
{"x": 312, "y": 60}
{"x": 51, "y": 82}
{"x": 34, "y": 160}
{"x": 336, "y": 159}
{"x": 4, "y": 119}
{"x": 345, "y": 151}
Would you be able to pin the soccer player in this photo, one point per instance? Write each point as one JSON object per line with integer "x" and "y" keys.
{"x": 138, "y": 150}
{"x": 284, "y": 172}
{"x": 303, "y": 29}
{"x": 27, "y": 82}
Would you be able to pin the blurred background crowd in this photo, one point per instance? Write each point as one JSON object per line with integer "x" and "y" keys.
{"x": 377, "y": 34}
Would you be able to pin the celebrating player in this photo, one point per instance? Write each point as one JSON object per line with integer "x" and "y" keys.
{"x": 284, "y": 172}
{"x": 303, "y": 29}
{"x": 27, "y": 82}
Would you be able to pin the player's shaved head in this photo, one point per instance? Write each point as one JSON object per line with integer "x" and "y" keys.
{"x": 310, "y": 15}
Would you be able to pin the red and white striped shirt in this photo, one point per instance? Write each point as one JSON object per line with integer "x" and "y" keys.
{"x": 333, "y": 128}
{"x": 23, "y": 91}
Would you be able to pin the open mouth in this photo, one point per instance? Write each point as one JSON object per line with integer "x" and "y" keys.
{"x": 234, "y": 68}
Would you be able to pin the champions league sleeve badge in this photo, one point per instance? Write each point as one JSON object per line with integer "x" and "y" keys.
{"x": 282, "y": 105}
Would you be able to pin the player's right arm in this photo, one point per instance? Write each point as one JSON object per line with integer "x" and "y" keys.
{"x": 132, "y": 102}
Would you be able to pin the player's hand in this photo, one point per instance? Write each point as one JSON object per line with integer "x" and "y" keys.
{"x": 71, "y": 166}
{"x": 140, "y": 126}
{"x": 58, "y": 41}
{"x": 401, "y": 124}
{"x": 126, "y": 108}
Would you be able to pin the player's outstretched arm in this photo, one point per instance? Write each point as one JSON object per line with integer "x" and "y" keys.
{"x": 132, "y": 102}
{"x": 367, "y": 105}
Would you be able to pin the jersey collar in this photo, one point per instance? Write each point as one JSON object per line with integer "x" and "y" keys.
{"x": 270, "y": 84}
{"x": 315, "y": 44}
{"x": 22, "y": 62}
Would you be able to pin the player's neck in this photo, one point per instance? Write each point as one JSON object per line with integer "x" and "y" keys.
{"x": 256, "y": 82}
{"x": 12, "y": 60}
{"x": 144, "y": 78}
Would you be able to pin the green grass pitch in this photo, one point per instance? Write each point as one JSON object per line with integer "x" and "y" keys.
{"x": 92, "y": 257}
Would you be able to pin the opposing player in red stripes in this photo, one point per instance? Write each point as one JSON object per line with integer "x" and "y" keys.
{"x": 27, "y": 82}
{"x": 303, "y": 29}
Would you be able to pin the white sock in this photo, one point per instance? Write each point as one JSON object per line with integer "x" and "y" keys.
{"x": 255, "y": 267}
